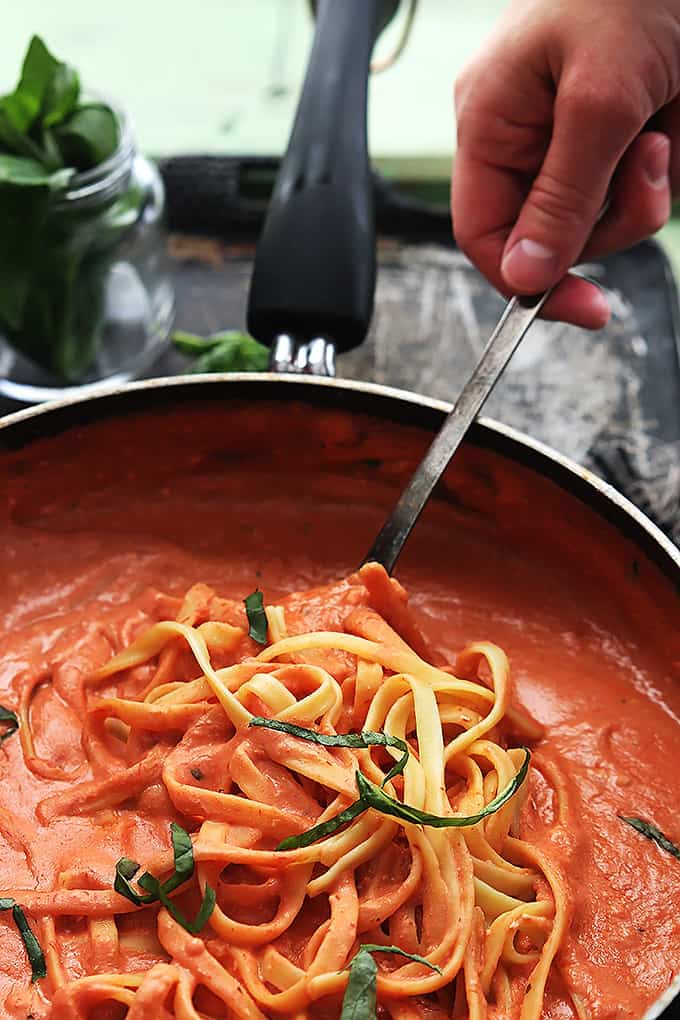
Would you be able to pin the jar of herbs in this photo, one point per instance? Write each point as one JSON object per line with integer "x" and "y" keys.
{"x": 85, "y": 293}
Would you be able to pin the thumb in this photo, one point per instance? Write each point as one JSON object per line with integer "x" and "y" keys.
{"x": 590, "y": 135}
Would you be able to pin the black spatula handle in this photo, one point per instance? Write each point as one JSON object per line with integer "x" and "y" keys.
{"x": 314, "y": 272}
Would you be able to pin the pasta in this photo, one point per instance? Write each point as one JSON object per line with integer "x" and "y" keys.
{"x": 262, "y": 914}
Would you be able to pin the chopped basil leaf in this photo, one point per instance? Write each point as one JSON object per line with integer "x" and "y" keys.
{"x": 361, "y": 995}
{"x": 151, "y": 884}
{"x": 202, "y": 917}
{"x": 324, "y": 828}
{"x": 126, "y": 869}
{"x": 9, "y": 717}
{"x": 184, "y": 858}
{"x": 372, "y": 796}
{"x": 257, "y": 618}
{"x": 205, "y": 911}
{"x": 364, "y": 739}
{"x": 370, "y": 947}
{"x": 31, "y": 944}
{"x": 229, "y": 351}
{"x": 88, "y": 136}
{"x": 159, "y": 892}
{"x": 197, "y": 774}
{"x": 650, "y": 831}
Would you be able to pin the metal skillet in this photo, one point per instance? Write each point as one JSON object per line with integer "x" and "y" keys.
{"x": 531, "y": 473}
{"x": 323, "y": 196}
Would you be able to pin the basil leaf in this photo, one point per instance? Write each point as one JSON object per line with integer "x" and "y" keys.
{"x": 126, "y": 869}
{"x": 23, "y": 212}
{"x": 160, "y": 892}
{"x": 372, "y": 796}
{"x": 257, "y": 618}
{"x": 50, "y": 156}
{"x": 364, "y": 739}
{"x": 324, "y": 828}
{"x": 361, "y": 996}
{"x": 61, "y": 95}
{"x": 46, "y": 93}
{"x": 191, "y": 343}
{"x": 205, "y": 911}
{"x": 52, "y": 290}
{"x": 13, "y": 139}
{"x": 229, "y": 351}
{"x": 88, "y": 136}
{"x": 650, "y": 831}
{"x": 25, "y": 195}
{"x": 31, "y": 944}
{"x": 9, "y": 717}
{"x": 183, "y": 850}
{"x": 202, "y": 917}
{"x": 157, "y": 892}
{"x": 370, "y": 947}
{"x": 38, "y": 70}
{"x": 150, "y": 884}
{"x": 244, "y": 355}
{"x": 21, "y": 171}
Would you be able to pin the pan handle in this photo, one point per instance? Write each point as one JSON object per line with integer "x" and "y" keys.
{"x": 314, "y": 273}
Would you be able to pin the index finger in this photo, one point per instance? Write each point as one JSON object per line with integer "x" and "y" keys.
{"x": 486, "y": 201}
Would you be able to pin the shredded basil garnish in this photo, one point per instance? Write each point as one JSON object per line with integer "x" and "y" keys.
{"x": 360, "y": 999}
{"x": 364, "y": 739}
{"x": 126, "y": 870}
{"x": 12, "y": 721}
{"x": 372, "y": 796}
{"x": 257, "y": 618}
{"x": 31, "y": 944}
{"x": 361, "y": 994}
{"x": 650, "y": 831}
{"x": 374, "y": 947}
{"x": 159, "y": 892}
{"x": 183, "y": 851}
{"x": 324, "y": 828}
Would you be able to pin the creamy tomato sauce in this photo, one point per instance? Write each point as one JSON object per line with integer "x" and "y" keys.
{"x": 99, "y": 526}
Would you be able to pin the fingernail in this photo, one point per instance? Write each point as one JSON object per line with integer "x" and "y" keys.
{"x": 657, "y": 162}
{"x": 529, "y": 266}
{"x": 599, "y": 308}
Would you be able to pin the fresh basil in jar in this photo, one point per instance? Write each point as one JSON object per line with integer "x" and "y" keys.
{"x": 84, "y": 289}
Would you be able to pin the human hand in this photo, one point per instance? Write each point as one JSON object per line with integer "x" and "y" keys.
{"x": 550, "y": 119}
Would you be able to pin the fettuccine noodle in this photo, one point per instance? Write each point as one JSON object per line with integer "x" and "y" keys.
{"x": 167, "y": 723}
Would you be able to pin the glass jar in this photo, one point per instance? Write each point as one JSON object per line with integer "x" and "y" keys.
{"x": 99, "y": 305}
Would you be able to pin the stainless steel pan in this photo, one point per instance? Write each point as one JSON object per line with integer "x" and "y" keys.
{"x": 497, "y": 473}
{"x": 295, "y": 307}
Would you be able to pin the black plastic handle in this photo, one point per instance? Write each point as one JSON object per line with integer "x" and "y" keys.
{"x": 314, "y": 271}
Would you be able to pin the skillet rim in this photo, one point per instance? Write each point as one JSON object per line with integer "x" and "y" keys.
{"x": 21, "y": 428}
